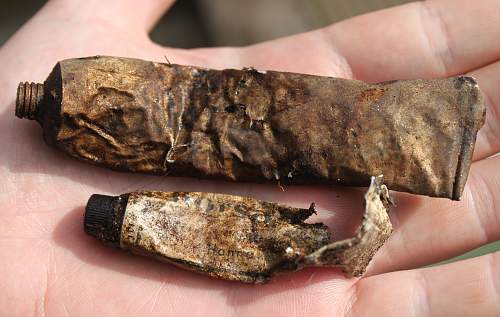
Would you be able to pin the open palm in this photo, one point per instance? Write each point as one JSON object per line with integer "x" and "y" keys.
{"x": 49, "y": 266}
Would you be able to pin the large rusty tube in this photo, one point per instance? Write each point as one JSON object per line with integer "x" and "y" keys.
{"x": 246, "y": 125}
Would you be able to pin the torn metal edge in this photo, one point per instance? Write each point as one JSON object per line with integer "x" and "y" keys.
{"x": 354, "y": 254}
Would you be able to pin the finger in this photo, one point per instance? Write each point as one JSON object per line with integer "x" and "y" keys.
{"x": 422, "y": 39}
{"x": 488, "y": 139}
{"x": 465, "y": 288}
{"x": 126, "y": 14}
{"x": 431, "y": 230}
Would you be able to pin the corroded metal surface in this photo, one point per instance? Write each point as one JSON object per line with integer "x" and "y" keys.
{"x": 246, "y": 125}
{"x": 232, "y": 237}
{"x": 354, "y": 254}
{"x": 236, "y": 238}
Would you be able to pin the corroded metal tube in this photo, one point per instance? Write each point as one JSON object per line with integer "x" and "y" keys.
{"x": 232, "y": 237}
{"x": 246, "y": 125}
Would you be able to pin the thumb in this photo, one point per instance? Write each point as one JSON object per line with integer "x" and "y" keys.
{"x": 68, "y": 28}
{"x": 139, "y": 15}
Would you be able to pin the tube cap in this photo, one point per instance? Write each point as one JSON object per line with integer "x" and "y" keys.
{"x": 98, "y": 210}
{"x": 103, "y": 218}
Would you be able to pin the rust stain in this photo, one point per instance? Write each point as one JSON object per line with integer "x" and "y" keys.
{"x": 371, "y": 95}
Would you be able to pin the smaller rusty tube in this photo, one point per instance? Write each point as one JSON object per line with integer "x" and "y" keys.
{"x": 29, "y": 97}
{"x": 232, "y": 237}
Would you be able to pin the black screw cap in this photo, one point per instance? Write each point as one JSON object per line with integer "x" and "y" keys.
{"x": 104, "y": 217}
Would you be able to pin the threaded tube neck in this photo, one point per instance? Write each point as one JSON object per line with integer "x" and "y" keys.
{"x": 29, "y": 97}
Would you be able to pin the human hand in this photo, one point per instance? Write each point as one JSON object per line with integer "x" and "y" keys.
{"x": 48, "y": 266}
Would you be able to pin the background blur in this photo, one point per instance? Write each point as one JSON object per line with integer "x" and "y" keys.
{"x": 196, "y": 23}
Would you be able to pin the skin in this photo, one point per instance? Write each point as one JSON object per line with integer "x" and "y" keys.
{"x": 48, "y": 266}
